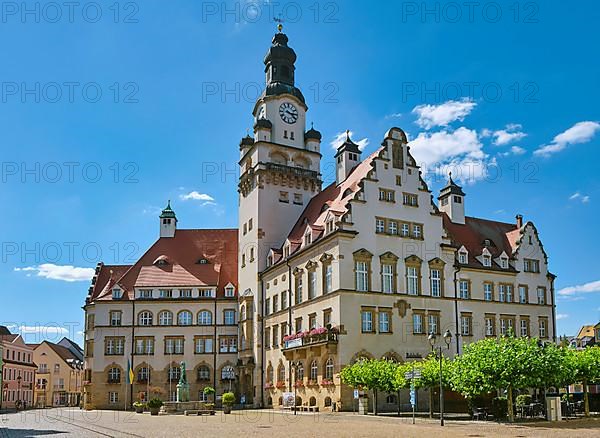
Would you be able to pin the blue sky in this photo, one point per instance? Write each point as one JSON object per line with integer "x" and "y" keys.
{"x": 107, "y": 113}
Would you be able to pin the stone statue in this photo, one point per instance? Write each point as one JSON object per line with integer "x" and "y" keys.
{"x": 183, "y": 376}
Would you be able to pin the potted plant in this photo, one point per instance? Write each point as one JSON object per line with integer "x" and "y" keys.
{"x": 139, "y": 407}
{"x": 154, "y": 405}
{"x": 208, "y": 391}
{"x": 228, "y": 400}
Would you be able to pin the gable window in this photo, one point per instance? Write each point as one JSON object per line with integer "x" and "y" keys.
{"x": 504, "y": 263}
{"x": 487, "y": 261}
{"x": 116, "y": 294}
{"x": 229, "y": 292}
{"x": 463, "y": 258}
{"x": 530, "y": 265}
{"x": 386, "y": 195}
{"x": 410, "y": 200}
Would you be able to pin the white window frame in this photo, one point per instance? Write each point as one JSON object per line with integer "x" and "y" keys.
{"x": 463, "y": 290}
{"x": 384, "y": 322}
{"x": 366, "y": 321}
{"x": 436, "y": 282}
{"x": 488, "y": 291}
{"x": 412, "y": 280}
{"x": 362, "y": 276}
{"x": 417, "y": 323}
{"x": 387, "y": 278}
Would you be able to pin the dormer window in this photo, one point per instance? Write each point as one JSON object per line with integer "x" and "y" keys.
{"x": 229, "y": 291}
{"x": 203, "y": 261}
{"x": 270, "y": 260}
{"x": 487, "y": 260}
{"x": 463, "y": 257}
{"x": 286, "y": 250}
{"x": 116, "y": 294}
{"x": 308, "y": 237}
{"x": 504, "y": 262}
{"x": 329, "y": 225}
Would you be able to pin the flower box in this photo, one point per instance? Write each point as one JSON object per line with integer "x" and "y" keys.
{"x": 326, "y": 382}
{"x": 280, "y": 385}
{"x": 299, "y": 384}
{"x": 268, "y": 385}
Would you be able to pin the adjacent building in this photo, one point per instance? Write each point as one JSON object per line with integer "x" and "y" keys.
{"x": 59, "y": 375}
{"x": 18, "y": 370}
{"x": 177, "y": 303}
{"x": 367, "y": 266}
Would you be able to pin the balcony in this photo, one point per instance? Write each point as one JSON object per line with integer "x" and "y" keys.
{"x": 311, "y": 341}
{"x": 294, "y": 171}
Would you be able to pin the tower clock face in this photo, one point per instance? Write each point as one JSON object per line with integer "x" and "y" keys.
{"x": 288, "y": 113}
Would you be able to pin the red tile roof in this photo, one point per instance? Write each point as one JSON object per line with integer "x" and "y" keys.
{"x": 182, "y": 254}
{"x": 503, "y": 237}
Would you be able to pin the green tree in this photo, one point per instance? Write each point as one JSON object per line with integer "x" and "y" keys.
{"x": 587, "y": 370}
{"x": 504, "y": 363}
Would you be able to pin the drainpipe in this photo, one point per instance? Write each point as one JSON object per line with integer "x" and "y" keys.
{"x": 456, "y": 271}
{"x": 132, "y": 348}
{"x": 262, "y": 347}
{"x": 287, "y": 262}
{"x": 553, "y": 308}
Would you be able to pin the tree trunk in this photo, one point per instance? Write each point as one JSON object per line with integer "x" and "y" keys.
{"x": 511, "y": 414}
{"x": 375, "y": 401}
{"x": 399, "y": 403}
{"x": 586, "y": 398}
{"x": 431, "y": 402}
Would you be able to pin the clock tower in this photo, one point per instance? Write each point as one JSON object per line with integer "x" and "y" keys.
{"x": 279, "y": 174}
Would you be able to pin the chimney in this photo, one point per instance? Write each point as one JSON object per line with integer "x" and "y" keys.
{"x": 519, "y": 221}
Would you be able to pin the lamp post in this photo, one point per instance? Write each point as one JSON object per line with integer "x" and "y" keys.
{"x": 19, "y": 390}
{"x": 294, "y": 366}
{"x": 438, "y": 350}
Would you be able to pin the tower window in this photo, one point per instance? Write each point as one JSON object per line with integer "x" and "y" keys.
{"x": 458, "y": 199}
{"x": 285, "y": 71}
{"x": 285, "y": 134}
{"x": 292, "y": 135}
{"x": 444, "y": 201}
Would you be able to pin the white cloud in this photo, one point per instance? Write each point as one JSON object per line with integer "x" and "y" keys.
{"x": 584, "y": 199}
{"x": 340, "y": 138}
{"x": 63, "y": 273}
{"x": 511, "y": 133}
{"x": 591, "y": 287}
{"x": 516, "y": 150}
{"x": 560, "y": 316}
{"x": 196, "y": 196}
{"x": 581, "y": 132}
{"x": 459, "y": 151}
{"x": 393, "y": 116}
{"x": 429, "y": 116}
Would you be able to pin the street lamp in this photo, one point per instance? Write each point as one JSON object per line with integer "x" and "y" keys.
{"x": 294, "y": 366}
{"x": 438, "y": 350}
{"x": 19, "y": 390}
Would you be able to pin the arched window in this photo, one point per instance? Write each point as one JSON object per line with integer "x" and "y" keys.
{"x": 203, "y": 373}
{"x": 228, "y": 373}
{"x": 243, "y": 313}
{"x": 327, "y": 402}
{"x": 391, "y": 399}
{"x": 281, "y": 373}
{"x": 143, "y": 374}
{"x": 204, "y": 317}
{"x": 145, "y": 318}
{"x": 314, "y": 370}
{"x": 165, "y": 318}
{"x": 184, "y": 318}
{"x": 329, "y": 369}
{"x": 270, "y": 373}
{"x": 312, "y": 401}
{"x": 114, "y": 375}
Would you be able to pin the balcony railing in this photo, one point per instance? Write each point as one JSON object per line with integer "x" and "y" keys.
{"x": 296, "y": 171}
{"x": 308, "y": 340}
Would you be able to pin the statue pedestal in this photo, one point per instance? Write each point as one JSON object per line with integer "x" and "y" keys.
{"x": 183, "y": 392}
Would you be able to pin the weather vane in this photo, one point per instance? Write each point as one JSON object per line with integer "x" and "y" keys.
{"x": 280, "y": 22}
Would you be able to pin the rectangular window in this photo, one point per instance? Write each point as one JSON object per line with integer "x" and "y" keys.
{"x": 463, "y": 258}
{"x": 530, "y": 265}
{"x": 207, "y": 293}
{"x": 524, "y": 327}
{"x": 284, "y": 299}
{"x": 487, "y": 261}
{"x": 185, "y": 293}
{"x": 392, "y": 227}
{"x": 541, "y": 295}
{"x": 284, "y": 197}
{"x": 417, "y": 231}
{"x": 174, "y": 345}
{"x": 228, "y": 344}
{"x": 380, "y": 225}
{"x": 417, "y": 323}
{"x": 387, "y": 278}
{"x": 165, "y": 293}
{"x": 203, "y": 345}
{"x": 523, "y": 292}
{"x": 410, "y": 200}
{"x": 298, "y": 288}
{"x": 489, "y": 326}
{"x": 367, "y": 321}
{"x": 502, "y": 293}
{"x": 509, "y": 293}
{"x": 312, "y": 284}
{"x": 362, "y": 276}
{"x": 398, "y": 180}
{"x": 384, "y": 322}
{"x": 465, "y": 325}
{"x": 433, "y": 324}
{"x": 144, "y": 346}
{"x": 312, "y": 321}
{"x": 543, "y": 325}
{"x": 463, "y": 290}
{"x": 275, "y": 336}
{"x": 326, "y": 317}
{"x": 488, "y": 292}
{"x": 113, "y": 398}
{"x": 268, "y": 306}
{"x": 145, "y": 293}
{"x": 275, "y": 303}
{"x": 412, "y": 280}
{"x": 229, "y": 292}
{"x": 115, "y": 318}
{"x": 436, "y": 283}
{"x": 114, "y": 346}
{"x": 298, "y": 325}
{"x": 229, "y": 317}
{"x": 328, "y": 285}
{"x": 298, "y": 199}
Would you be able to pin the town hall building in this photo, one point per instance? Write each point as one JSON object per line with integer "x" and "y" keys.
{"x": 315, "y": 277}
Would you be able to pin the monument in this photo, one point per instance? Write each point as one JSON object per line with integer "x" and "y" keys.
{"x": 183, "y": 387}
